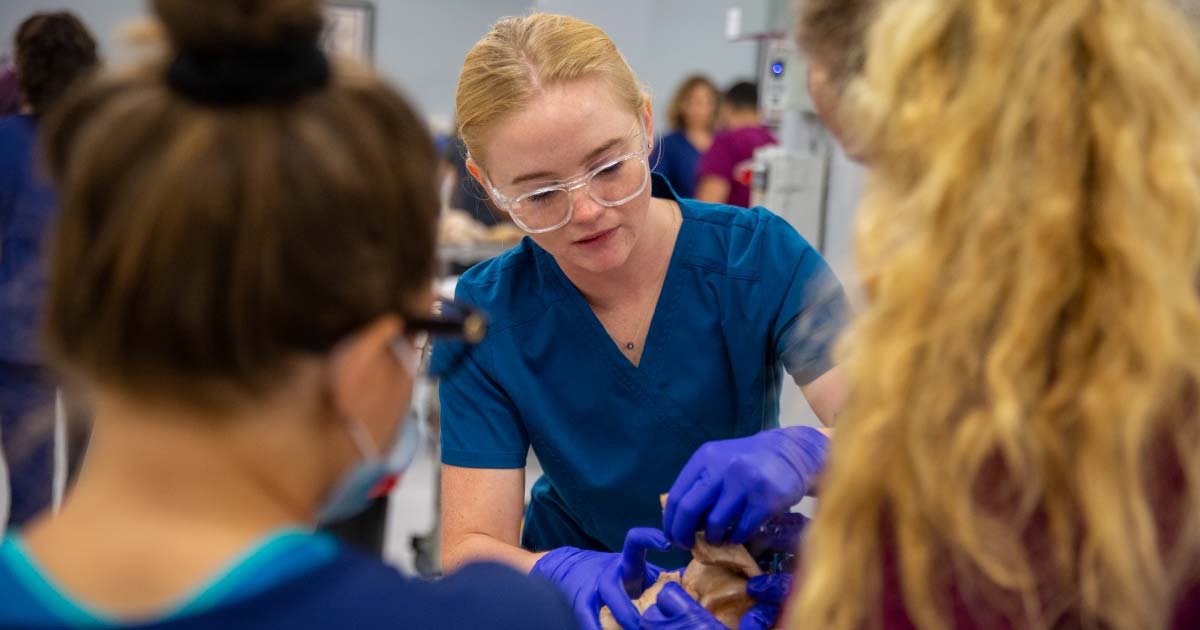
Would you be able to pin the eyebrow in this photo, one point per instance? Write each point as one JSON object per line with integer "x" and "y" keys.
{"x": 600, "y": 150}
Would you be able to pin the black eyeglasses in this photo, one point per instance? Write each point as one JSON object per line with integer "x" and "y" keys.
{"x": 454, "y": 326}
{"x": 451, "y": 320}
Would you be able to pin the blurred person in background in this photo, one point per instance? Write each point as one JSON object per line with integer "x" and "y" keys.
{"x": 726, "y": 169}
{"x": 693, "y": 116}
{"x": 53, "y": 51}
{"x": 1021, "y": 446}
{"x": 10, "y": 88}
{"x": 240, "y": 278}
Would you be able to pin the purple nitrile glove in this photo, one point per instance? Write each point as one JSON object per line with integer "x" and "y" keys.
{"x": 731, "y": 487}
{"x": 770, "y": 591}
{"x": 591, "y": 579}
{"x": 780, "y": 534}
{"x": 676, "y": 610}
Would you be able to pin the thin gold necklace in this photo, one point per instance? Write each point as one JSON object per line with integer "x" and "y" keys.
{"x": 629, "y": 345}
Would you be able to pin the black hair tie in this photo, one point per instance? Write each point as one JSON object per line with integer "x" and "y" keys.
{"x": 243, "y": 75}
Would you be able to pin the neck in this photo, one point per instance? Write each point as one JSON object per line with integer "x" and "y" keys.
{"x": 238, "y": 475}
{"x": 699, "y": 135}
{"x": 742, "y": 119}
{"x": 648, "y": 259}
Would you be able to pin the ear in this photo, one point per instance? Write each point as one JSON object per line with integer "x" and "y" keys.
{"x": 648, "y": 119}
{"x": 477, "y": 174}
{"x": 362, "y": 367}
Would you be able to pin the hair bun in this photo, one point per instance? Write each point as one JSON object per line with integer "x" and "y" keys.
{"x": 237, "y": 52}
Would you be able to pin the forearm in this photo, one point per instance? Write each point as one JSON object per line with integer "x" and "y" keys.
{"x": 473, "y": 547}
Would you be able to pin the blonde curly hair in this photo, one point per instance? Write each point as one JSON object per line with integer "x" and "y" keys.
{"x": 1022, "y": 429}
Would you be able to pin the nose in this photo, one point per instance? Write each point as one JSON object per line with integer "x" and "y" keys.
{"x": 586, "y": 210}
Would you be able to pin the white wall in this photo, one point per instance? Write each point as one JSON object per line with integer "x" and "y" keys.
{"x": 420, "y": 44}
{"x": 666, "y": 40}
{"x": 104, "y": 17}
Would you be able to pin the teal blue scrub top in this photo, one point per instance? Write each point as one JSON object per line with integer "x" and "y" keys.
{"x": 29, "y": 598}
{"x": 745, "y": 300}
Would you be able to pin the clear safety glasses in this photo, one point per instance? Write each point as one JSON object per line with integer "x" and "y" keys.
{"x": 613, "y": 183}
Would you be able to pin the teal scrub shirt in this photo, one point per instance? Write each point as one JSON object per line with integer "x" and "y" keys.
{"x": 745, "y": 299}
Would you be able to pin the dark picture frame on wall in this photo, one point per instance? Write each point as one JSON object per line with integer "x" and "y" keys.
{"x": 350, "y": 29}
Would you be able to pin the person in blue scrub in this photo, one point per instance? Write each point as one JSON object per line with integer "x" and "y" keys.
{"x": 630, "y": 329}
{"x": 241, "y": 279}
{"x": 693, "y": 115}
{"x": 54, "y": 50}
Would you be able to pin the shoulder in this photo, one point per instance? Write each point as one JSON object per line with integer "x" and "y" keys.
{"x": 504, "y": 598}
{"x": 17, "y": 129}
{"x": 675, "y": 139}
{"x": 484, "y": 595}
{"x": 511, "y": 287}
{"x": 725, "y": 134}
{"x": 360, "y": 592}
{"x": 16, "y": 137}
{"x": 746, "y": 242}
{"x": 723, "y": 137}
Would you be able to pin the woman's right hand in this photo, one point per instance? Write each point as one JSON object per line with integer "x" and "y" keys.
{"x": 729, "y": 488}
{"x": 592, "y": 579}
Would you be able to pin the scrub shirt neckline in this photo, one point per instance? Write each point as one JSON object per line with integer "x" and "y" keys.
{"x": 665, "y": 309}
{"x": 219, "y": 587}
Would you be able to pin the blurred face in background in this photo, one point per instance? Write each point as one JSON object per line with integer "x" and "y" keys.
{"x": 700, "y": 107}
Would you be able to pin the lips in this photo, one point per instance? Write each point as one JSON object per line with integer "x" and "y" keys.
{"x": 596, "y": 237}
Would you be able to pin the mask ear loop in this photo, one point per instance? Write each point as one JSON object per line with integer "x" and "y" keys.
{"x": 362, "y": 441}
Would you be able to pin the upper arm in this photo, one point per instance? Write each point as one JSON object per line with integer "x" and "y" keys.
{"x": 480, "y": 424}
{"x": 712, "y": 189}
{"x": 482, "y": 501}
{"x": 811, "y": 316}
{"x": 826, "y": 394}
{"x": 521, "y": 602}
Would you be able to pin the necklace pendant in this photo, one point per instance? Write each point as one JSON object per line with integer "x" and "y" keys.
{"x": 629, "y": 346}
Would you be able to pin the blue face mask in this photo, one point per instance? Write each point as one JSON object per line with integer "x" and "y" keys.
{"x": 375, "y": 469}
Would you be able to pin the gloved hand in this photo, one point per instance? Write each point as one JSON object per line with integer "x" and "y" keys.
{"x": 731, "y": 487}
{"x": 770, "y": 591}
{"x": 591, "y": 579}
{"x": 676, "y": 610}
{"x": 780, "y": 534}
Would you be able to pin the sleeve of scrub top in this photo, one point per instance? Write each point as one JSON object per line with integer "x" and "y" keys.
{"x": 480, "y": 425}
{"x": 813, "y": 309}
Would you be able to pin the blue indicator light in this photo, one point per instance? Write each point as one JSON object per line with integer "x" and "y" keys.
{"x": 777, "y": 68}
